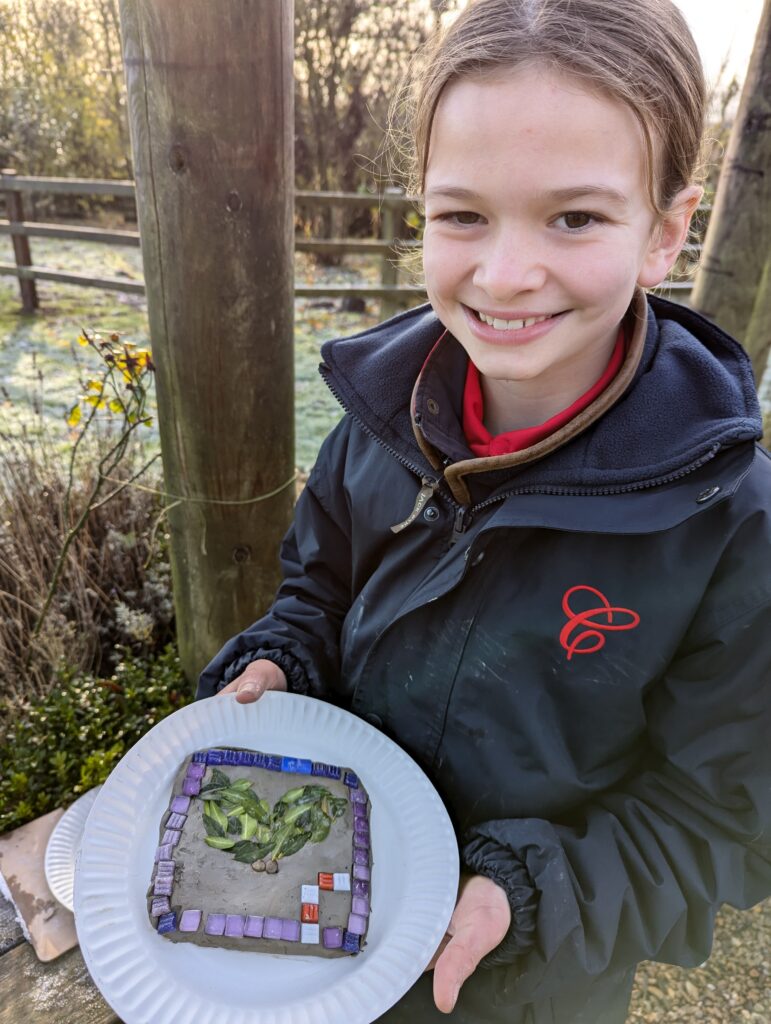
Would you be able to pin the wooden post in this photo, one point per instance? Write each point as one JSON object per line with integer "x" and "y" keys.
{"x": 733, "y": 283}
{"x": 15, "y": 211}
{"x": 210, "y": 97}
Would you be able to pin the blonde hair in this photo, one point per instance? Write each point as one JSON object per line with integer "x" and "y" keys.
{"x": 639, "y": 52}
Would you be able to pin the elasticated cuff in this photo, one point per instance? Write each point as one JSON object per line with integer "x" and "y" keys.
{"x": 296, "y": 678}
{"x": 483, "y": 856}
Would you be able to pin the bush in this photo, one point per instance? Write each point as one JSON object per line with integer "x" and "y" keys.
{"x": 56, "y": 748}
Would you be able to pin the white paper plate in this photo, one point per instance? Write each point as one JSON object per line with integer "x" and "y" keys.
{"x": 59, "y": 863}
{"x": 148, "y": 980}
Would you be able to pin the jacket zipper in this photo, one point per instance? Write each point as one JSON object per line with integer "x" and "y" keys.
{"x": 464, "y": 513}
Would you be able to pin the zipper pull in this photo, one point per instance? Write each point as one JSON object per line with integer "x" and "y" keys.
{"x": 425, "y": 494}
{"x": 459, "y": 525}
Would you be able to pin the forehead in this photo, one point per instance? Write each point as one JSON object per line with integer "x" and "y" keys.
{"x": 534, "y": 129}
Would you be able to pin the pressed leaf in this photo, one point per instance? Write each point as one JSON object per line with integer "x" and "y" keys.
{"x": 213, "y": 828}
{"x": 293, "y": 844}
{"x": 248, "y": 825}
{"x": 234, "y": 826}
{"x": 293, "y": 794}
{"x": 219, "y": 777}
{"x": 246, "y": 853}
{"x": 219, "y": 843}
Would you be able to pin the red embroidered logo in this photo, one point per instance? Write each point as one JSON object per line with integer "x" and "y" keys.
{"x": 599, "y": 619}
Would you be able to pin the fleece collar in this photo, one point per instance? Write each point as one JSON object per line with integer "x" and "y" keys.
{"x": 685, "y": 391}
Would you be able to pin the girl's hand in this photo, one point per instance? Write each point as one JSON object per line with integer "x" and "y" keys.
{"x": 481, "y": 919}
{"x": 257, "y": 677}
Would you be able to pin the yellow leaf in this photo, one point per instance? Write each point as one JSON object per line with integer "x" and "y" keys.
{"x": 73, "y": 416}
{"x": 82, "y": 339}
{"x": 148, "y": 422}
{"x": 126, "y": 375}
{"x": 116, "y": 405}
{"x": 94, "y": 385}
{"x": 96, "y": 401}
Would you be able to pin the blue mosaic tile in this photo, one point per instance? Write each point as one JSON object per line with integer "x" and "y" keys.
{"x": 296, "y": 764}
{"x": 351, "y": 942}
{"x": 351, "y": 780}
{"x": 272, "y": 763}
{"x": 199, "y": 757}
{"x": 333, "y": 772}
{"x": 167, "y": 923}
{"x": 215, "y": 757}
{"x": 319, "y": 769}
{"x": 260, "y": 761}
{"x": 231, "y": 757}
{"x": 245, "y": 757}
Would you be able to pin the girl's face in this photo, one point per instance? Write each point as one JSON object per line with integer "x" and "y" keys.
{"x": 537, "y": 209}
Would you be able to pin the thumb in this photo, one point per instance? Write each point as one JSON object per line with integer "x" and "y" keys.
{"x": 457, "y": 963}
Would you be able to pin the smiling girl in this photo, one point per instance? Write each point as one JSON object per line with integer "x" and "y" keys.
{"x": 535, "y": 550}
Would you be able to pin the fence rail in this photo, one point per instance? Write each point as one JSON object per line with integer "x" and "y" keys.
{"x": 388, "y": 247}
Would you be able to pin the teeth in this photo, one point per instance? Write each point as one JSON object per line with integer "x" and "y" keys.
{"x": 510, "y": 325}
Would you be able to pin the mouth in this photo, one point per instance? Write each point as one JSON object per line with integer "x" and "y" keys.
{"x": 499, "y": 323}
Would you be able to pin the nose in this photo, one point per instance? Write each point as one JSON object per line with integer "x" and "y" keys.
{"x": 510, "y": 264}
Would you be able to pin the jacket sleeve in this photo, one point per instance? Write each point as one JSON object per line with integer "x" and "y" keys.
{"x": 300, "y": 632}
{"x": 640, "y": 873}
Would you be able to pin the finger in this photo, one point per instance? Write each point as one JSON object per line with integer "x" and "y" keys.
{"x": 457, "y": 962}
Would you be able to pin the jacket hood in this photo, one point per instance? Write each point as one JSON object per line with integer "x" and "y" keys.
{"x": 692, "y": 394}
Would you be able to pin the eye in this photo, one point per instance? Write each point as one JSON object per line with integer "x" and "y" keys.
{"x": 577, "y": 220}
{"x": 463, "y": 218}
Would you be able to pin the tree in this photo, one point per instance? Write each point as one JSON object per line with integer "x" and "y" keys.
{"x": 733, "y": 284}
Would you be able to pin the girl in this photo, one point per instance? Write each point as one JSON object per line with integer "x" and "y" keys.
{"x": 536, "y": 549}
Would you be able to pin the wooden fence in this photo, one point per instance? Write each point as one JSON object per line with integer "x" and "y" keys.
{"x": 389, "y": 204}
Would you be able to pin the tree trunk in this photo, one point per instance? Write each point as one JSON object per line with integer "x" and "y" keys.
{"x": 210, "y": 99}
{"x": 732, "y": 285}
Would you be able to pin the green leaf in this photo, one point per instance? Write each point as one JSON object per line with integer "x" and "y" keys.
{"x": 219, "y": 777}
{"x": 320, "y": 826}
{"x": 295, "y": 812}
{"x": 219, "y": 843}
{"x": 247, "y": 853}
{"x": 242, "y": 784}
{"x": 213, "y": 827}
{"x": 294, "y": 843}
{"x": 234, "y": 826}
{"x": 248, "y": 825}
{"x": 215, "y": 811}
{"x": 293, "y": 794}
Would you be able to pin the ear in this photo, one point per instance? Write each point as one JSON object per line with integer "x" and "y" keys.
{"x": 668, "y": 237}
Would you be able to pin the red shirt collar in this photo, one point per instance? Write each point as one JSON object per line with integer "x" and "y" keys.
{"x": 481, "y": 441}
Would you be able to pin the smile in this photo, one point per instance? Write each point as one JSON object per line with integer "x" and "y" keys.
{"x": 510, "y": 325}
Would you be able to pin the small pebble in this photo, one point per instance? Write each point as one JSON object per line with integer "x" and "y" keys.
{"x": 271, "y": 867}
{"x": 258, "y": 865}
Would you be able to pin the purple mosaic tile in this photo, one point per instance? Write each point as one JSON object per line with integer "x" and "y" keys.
{"x": 191, "y": 787}
{"x": 358, "y": 796}
{"x": 359, "y": 887}
{"x": 163, "y": 886}
{"x": 215, "y": 756}
{"x": 362, "y": 872}
{"x": 167, "y": 923}
{"x": 215, "y": 924}
{"x": 190, "y": 921}
{"x": 160, "y": 906}
{"x": 296, "y": 764}
{"x": 272, "y": 928}
{"x": 351, "y": 780}
{"x": 171, "y": 836}
{"x": 290, "y": 930}
{"x": 357, "y": 924}
{"x": 234, "y": 926}
{"x": 351, "y": 942}
{"x": 199, "y": 757}
{"x": 360, "y": 812}
{"x": 176, "y": 820}
{"x": 360, "y": 841}
{"x": 253, "y": 926}
{"x": 360, "y": 827}
{"x": 195, "y": 771}
{"x": 332, "y": 938}
{"x": 180, "y": 805}
{"x": 165, "y": 869}
{"x": 360, "y": 905}
{"x": 361, "y": 857}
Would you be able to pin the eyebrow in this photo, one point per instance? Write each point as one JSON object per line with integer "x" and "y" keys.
{"x": 561, "y": 195}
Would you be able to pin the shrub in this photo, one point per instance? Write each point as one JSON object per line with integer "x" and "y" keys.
{"x": 55, "y": 748}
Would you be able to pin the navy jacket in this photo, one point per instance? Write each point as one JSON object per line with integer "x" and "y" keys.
{"x": 575, "y": 647}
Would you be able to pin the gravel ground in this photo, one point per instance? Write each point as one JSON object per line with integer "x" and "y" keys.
{"x": 733, "y": 987}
